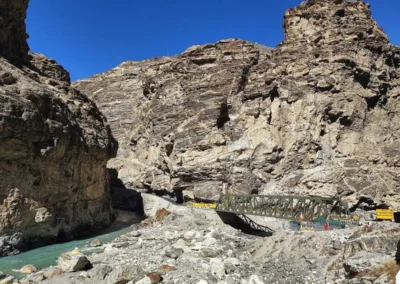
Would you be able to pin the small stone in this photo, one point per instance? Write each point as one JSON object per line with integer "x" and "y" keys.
{"x": 231, "y": 263}
{"x": 69, "y": 262}
{"x": 145, "y": 280}
{"x": 52, "y": 272}
{"x": 154, "y": 277}
{"x": 202, "y": 281}
{"x": 2, "y": 275}
{"x": 217, "y": 267}
{"x": 7, "y": 280}
{"x": 135, "y": 234}
{"x": 27, "y": 269}
{"x": 173, "y": 252}
{"x": 208, "y": 252}
{"x": 126, "y": 273}
{"x": 254, "y": 279}
{"x": 96, "y": 243}
{"x": 189, "y": 235}
{"x": 161, "y": 214}
{"x": 165, "y": 268}
{"x": 33, "y": 278}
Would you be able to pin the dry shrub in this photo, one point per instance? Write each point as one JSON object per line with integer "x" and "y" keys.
{"x": 390, "y": 268}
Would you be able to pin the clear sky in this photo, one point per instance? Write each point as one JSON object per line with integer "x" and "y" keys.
{"x": 91, "y": 36}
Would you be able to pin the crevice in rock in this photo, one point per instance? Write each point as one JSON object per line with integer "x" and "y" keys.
{"x": 345, "y": 121}
{"x": 223, "y": 115}
{"x": 274, "y": 93}
{"x": 42, "y": 145}
{"x": 340, "y": 13}
{"x": 362, "y": 77}
{"x": 169, "y": 148}
{"x": 243, "y": 78}
{"x": 377, "y": 101}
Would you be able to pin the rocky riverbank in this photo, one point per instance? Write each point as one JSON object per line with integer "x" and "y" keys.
{"x": 186, "y": 245}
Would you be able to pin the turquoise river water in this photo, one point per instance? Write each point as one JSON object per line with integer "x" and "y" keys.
{"x": 47, "y": 256}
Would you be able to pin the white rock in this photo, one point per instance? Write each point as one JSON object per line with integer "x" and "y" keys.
{"x": 209, "y": 242}
{"x": 202, "y": 282}
{"x": 253, "y": 279}
{"x": 189, "y": 235}
{"x": 145, "y": 280}
{"x": 232, "y": 261}
{"x": 217, "y": 267}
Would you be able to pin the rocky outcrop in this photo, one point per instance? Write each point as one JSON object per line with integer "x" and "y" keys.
{"x": 318, "y": 115}
{"x": 54, "y": 146}
{"x": 13, "y": 36}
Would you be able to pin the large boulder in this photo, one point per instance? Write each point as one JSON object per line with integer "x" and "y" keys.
{"x": 54, "y": 147}
{"x": 124, "y": 274}
{"x": 318, "y": 115}
{"x": 69, "y": 262}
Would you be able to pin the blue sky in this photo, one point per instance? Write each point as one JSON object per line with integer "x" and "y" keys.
{"x": 91, "y": 36}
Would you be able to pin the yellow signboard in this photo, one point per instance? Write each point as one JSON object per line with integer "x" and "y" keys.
{"x": 384, "y": 214}
{"x": 202, "y": 205}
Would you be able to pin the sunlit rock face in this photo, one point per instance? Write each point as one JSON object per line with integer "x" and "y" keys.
{"x": 318, "y": 115}
{"x": 54, "y": 146}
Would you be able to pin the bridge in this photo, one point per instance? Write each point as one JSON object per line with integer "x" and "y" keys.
{"x": 284, "y": 206}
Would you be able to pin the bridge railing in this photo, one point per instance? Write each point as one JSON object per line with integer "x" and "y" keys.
{"x": 283, "y": 206}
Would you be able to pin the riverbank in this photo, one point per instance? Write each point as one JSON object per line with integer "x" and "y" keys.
{"x": 47, "y": 255}
{"x": 187, "y": 245}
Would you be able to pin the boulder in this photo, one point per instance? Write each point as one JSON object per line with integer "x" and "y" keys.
{"x": 2, "y": 275}
{"x": 27, "y": 269}
{"x": 363, "y": 261}
{"x": 154, "y": 277}
{"x": 7, "y": 280}
{"x": 52, "y": 272}
{"x": 124, "y": 274}
{"x": 69, "y": 262}
{"x": 96, "y": 243}
{"x": 217, "y": 268}
{"x": 33, "y": 278}
{"x": 173, "y": 252}
{"x": 99, "y": 272}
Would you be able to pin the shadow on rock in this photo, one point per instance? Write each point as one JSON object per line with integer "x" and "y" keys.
{"x": 123, "y": 198}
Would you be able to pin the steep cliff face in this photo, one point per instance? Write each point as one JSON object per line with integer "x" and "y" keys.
{"x": 54, "y": 146}
{"x": 318, "y": 115}
{"x": 13, "y": 45}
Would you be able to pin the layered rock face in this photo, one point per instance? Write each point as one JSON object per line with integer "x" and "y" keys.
{"x": 54, "y": 146}
{"x": 318, "y": 115}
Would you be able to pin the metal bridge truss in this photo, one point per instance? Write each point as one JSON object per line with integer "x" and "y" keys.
{"x": 284, "y": 207}
{"x": 255, "y": 226}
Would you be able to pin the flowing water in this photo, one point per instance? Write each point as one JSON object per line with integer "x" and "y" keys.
{"x": 47, "y": 256}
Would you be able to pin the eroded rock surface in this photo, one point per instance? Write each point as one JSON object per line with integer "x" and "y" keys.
{"x": 318, "y": 115}
{"x": 54, "y": 146}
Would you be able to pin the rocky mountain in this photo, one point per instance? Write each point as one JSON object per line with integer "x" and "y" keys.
{"x": 317, "y": 115}
{"x": 54, "y": 146}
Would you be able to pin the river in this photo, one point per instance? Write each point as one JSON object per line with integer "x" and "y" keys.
{"x": 47, "y": 255}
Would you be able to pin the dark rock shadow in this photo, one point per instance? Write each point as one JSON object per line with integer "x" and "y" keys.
{"x": 123, "y": 198}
